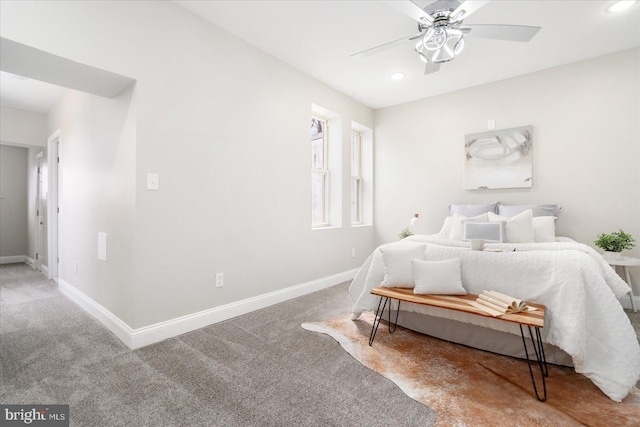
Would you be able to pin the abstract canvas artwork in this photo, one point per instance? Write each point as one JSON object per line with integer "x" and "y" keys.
{"x": 499, "y": 159}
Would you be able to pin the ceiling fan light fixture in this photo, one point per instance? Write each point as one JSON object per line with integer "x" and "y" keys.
{"x": 457, "y": 48}
{"x": 443, "y": 46}
{"x": 434, "y": 38}
{"x": 620, "y": 6}
{"x": 436, "y": 58}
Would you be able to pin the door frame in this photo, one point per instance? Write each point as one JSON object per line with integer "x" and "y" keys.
{"x": 37, "y": 262}
{"x": 53, "y": 205}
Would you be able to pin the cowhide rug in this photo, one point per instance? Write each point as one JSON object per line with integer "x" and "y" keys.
{"x": 470, "y": 387}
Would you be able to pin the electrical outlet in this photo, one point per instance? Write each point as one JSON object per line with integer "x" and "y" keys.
{"x": 219, "y": 280}
{"x": 75, "y": 266}
{"x": 353, "y": 252}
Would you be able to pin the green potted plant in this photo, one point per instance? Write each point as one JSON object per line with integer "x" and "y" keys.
{"x": 405, "y": 233}
{"x": 613, "y": 244}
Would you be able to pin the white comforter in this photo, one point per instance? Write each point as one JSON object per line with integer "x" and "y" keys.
{"x": 578, "y": 288}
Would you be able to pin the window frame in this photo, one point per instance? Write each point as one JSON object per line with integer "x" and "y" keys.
{"x": 324, "y": 171}
{"x": 358, "y": 176}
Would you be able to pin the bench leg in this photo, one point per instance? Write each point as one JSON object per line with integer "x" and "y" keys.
{"x": 538, "y": 349}
{"x": 395, "y": 325}
{"x": 377, "y": 319}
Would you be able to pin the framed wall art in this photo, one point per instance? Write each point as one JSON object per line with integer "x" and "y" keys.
{"x": 499, "y": 159}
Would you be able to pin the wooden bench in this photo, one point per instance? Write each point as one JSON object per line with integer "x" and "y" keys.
{"x": 533, "y": 319}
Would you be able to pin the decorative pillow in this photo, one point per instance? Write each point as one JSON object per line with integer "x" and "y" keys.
{"x": 473, "y": 210}
{"x": 438, "y": 277}
{"x": 519, "y": 229}
{"x": 537, "y": 210}
{"x": 544, "y": 228}
{"x": 456, "y": 224}
{"x": 489, "y": 231}
{"x": 397, "y": 266}
{"x": 446, "y": 227}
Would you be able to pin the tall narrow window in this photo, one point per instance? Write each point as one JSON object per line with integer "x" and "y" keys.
{"x": 361, "y": 175}
{"x": 319, "y": 172}
{"x": 356, "y": 177}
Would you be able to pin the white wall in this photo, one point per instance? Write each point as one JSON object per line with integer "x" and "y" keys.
{"x": 229, "y": 137}
{"x": 96, "y": 188}
{"x": 13, "y": 201}
{"x": 586, "y": 149}
{"x": 227, "y": 128}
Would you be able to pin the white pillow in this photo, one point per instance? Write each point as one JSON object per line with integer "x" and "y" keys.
{"x": 544, "y": 228}
{"x": 536, "y": 210}
{"x": 488, "y": 231}
{"x": 446, "y": 227}
{"x": 397, "y": 266}
{"x": 438, "y": 277}
{"x": 456, "y": 224}
{"x": 519, "y": 229}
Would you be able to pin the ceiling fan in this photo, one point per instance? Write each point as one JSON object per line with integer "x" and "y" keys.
{"x": 441, "y": 33}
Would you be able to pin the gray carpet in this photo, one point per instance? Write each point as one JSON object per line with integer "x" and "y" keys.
{"x": 258, "y": 369}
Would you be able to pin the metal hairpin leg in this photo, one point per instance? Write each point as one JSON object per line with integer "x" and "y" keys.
{"x": 395, "y": 325}
{"x": 378, "y": 318}
{"x": 540, "y": 358}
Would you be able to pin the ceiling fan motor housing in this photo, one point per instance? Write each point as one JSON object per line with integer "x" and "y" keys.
{"x": 440, "y": 11}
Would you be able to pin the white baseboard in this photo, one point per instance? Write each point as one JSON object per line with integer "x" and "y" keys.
{"x": 11, "y": 259}
{"x": 31, "y": 263}
{"x": 108, "y": 319}
{"x": 626, "y": 302}
{"x": 140, "y": 337}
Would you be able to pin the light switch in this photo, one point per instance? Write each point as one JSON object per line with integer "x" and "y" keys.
{"x": 491, "y": 124}
{"x": 102, "y": 246}
{"x": 153, "y": 181}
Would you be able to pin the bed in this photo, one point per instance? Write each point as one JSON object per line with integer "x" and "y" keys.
{"x": 585, "y": 325}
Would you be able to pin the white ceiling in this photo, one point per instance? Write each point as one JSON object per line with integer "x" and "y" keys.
{"x": 318, "y": 37}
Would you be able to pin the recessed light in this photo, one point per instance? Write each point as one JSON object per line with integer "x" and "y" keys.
{"x": 397, "y": 76}
{"x": 619, "y": 6}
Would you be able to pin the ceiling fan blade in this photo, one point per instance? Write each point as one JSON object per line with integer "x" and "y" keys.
{"x": 383, "y": 47}
{"x": 431, "y": 67}
{"x": 466, "y": 9}
{"x": 516, "y": 33}
{"x": 412, "y": 10}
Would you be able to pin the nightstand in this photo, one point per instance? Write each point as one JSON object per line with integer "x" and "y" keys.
{"x": 625, "y": 262}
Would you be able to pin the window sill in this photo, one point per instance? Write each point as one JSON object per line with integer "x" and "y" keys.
{"x": 326, "y": 227}
{"x": 361, "y": 225}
